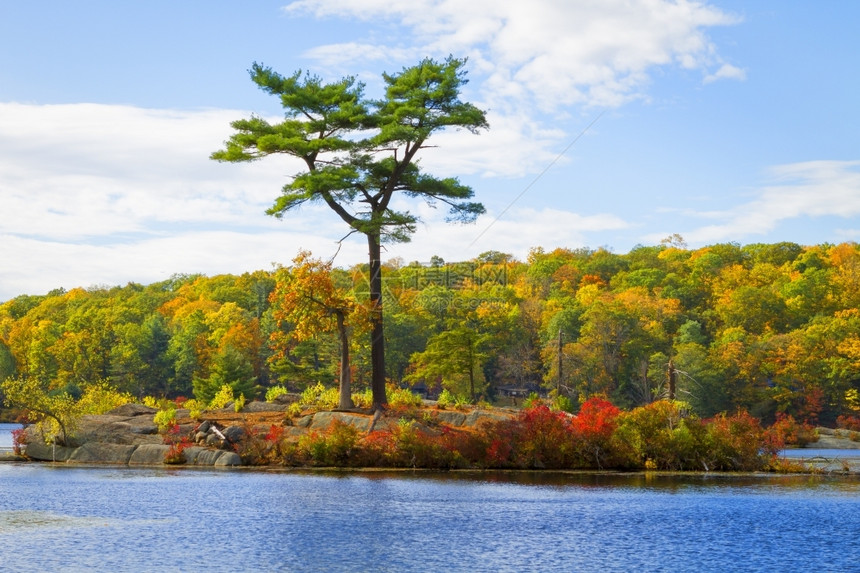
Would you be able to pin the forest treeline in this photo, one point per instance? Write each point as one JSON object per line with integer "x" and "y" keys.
{"x": 765, "y": 328}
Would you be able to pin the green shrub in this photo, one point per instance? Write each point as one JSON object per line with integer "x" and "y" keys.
{"x": 193, "y": 407}
{"x": 320, "y": 397}
{"x": 165, "y": 419}
{"x": 101, "y": 397}
{"x": 650, "y": 432}
{"x": 274, "y": 392}
{"x": 334, "y": 447}
{"x": 735, "y": 442}
{"x": 329, "y": 399}
{"x": 531, "y": 401}
{"x": 363, "y": 399}
{"x": 223, "y": 397}
{"x": 311, "y": 394}
{"x": 446, "y": 399}
{"x": 402, "y": 397}
{"x": 563, "y": 403}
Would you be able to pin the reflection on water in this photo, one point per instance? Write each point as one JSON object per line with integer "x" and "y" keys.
{"x": 115, "y": 519}
{"x": 17, "y": 521}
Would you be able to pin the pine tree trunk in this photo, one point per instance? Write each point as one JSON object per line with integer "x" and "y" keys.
{"x": 377, "y": 339}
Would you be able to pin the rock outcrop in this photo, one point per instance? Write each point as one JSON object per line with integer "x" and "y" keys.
{"x": 124, "y": 436}
{"x": 128, "y": 435}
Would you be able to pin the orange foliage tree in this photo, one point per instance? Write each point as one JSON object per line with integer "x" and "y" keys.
{"x": 306, "y": 297}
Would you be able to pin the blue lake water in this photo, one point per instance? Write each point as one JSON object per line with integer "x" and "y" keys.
{"x": 6, "y": 435}
{"x": 61, "y": 518}
{"x": 830, "y": 453}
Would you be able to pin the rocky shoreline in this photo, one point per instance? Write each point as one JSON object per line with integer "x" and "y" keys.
{"x": 830, "y": 439}
{"x": 128, "y": 435}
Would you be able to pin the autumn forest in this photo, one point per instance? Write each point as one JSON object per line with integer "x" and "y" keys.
{"x": 767, "y": 328}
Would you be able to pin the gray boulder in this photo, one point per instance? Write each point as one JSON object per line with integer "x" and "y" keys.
{"x": 234, "y": 434}
{"x": 116, "y": 430}
{"x": 192, "y": 453}
{"x": 101, "y": 453}
{"x": 208, "y": 457}
{"x": 254, "y": 407}
{"x": 287, "y": 399}
{"x": 450, "y": 418}
{"x": 324, "y": 420}
{"x": 214, "y": 441}
{"x": 38, "y": 450}
{"x": 478, "y": 417}
{"x": 131, "y": 410}
{"x": 149, "y": 454}
{"x": 228, "y": 459}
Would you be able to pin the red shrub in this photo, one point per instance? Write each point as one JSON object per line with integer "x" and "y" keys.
{"x": 499, "y": 453}
{"x": 275, "y": 434}
{"x": 786, "y": 431}
{"x": 542, "y": 438}
{"x": 851, "y": 423}
{"x": 596, "y": 419}
{"x": 593, "y": 428}
{"x": 18, "y": 440}
{"x": 812, "y": 405}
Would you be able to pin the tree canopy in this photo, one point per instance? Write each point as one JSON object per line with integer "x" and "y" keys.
{"x": 492, "y": 322}
{"x": 359, "y": 153}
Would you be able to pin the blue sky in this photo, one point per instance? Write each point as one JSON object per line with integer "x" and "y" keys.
{"x": 720, "y": 121}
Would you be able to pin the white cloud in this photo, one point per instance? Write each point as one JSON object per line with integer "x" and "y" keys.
{"x": 553, "y": 53}
{"x": 516, "y": 232}
{"x": 85, "y": 170}
{"x": 35, "y": 266}
{"x": 100, "y": 194}
{"x": 96, "y": 194}
{"x": 799, "y": 190}
{"x": 726, "y": 71}
{"x": 535, "y": 61}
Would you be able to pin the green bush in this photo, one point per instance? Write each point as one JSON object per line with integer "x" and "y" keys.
{"x": 223, "y": 397}
{"x": 649, "y": 431}
{"x": 402, "y": 397}
{"x": 274, "y": 392}
{"x": 563, "y": 403}
{"x": 101, "y": 397}
{"x": 363, "y": 399}
{"x": 319, "y": 397}
{"x": 165, "y": 419}
{"x": 532, "y": 400}
{"x": 193, "y": 407}
{"x": 334, "y": 447}
{"x": 446, "y": 399}
{"x": 735, "y": 442}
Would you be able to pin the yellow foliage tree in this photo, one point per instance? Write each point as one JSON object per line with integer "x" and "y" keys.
{"x": 307, "y": 298}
